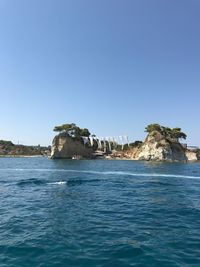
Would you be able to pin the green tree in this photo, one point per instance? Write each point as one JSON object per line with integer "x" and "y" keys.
{"x": 136, "y": 143}
{"x": 65, "y": 127}
{"x": 178, "y": 134}
{"x": 85, "y": 132}
{"x": 72, "y": 130}
{"x": 153, "y": 127}
{"x": 171, "y": 133}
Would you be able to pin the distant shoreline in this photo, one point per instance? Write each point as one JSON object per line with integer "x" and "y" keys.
{"x": 23, "y": 156}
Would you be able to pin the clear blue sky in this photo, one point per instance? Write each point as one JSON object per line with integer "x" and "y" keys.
{"x": 112, "y": 66}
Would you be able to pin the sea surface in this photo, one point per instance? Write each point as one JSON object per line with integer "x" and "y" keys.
{"x": 83, "y": 213}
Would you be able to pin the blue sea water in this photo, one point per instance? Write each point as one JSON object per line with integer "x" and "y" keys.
{"x": 99, "y": 213}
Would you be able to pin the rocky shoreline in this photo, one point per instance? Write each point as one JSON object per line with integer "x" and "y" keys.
{"x": 161, "y": 145}
{"x": 23, "y": 156}
{"x": 158, "y": 148}
{"x": 8, "y": 149}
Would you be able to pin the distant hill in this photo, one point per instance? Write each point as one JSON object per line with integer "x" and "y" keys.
{"x": 7, "y": 148}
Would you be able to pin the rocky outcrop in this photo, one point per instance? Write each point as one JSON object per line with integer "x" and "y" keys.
{"x": 158, "y": 148}
{"x": 64, "y": 146}
{"x": 130, "y": 153}
{"x": 192, "y": 155}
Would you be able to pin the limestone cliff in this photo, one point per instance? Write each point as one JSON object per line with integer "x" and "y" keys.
{"x": 192, "y": 155}
{"x": 64, "y": 146}
{"x": 159, "y": 148}
{"x": 156, "y": 147}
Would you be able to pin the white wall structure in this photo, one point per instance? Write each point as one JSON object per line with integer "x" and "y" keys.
{"x": 85, "y": 139}
{"x": 126, "y": 138}
{"x": 109, "y": 143}
{"x": 122, "y": 141}
{"x": 99, "y": 143}
{"x": 91, "y": 140}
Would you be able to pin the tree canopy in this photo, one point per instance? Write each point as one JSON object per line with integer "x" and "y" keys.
{"x": 72, "y": 130}
{"x": 172, "y": 133}
{"x": 6, "y": 143}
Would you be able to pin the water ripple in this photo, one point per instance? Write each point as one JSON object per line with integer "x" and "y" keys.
{"x": 99, "y": 213}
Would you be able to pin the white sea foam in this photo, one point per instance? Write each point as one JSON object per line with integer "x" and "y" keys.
{"x": 59, "y": 183}
{"x": 120, "y": 173}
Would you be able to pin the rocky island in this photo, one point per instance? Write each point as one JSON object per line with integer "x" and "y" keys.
{"x": 72, "y": 142}
{"x": 64, "y": 146}
{"x": 161, "y": 144}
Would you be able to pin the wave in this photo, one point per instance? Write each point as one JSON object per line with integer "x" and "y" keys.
{"x": 58, "y": 183}
{"x": 120, "y": 173}
{"x": 32, "y": 181}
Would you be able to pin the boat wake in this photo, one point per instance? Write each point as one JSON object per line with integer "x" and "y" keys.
{"x": 113, "y": 173}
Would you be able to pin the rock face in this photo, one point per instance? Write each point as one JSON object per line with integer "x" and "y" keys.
{"x": 158, "y": 148}
{"x": 64, "y": 146}
{"x": 192, "y": 155}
